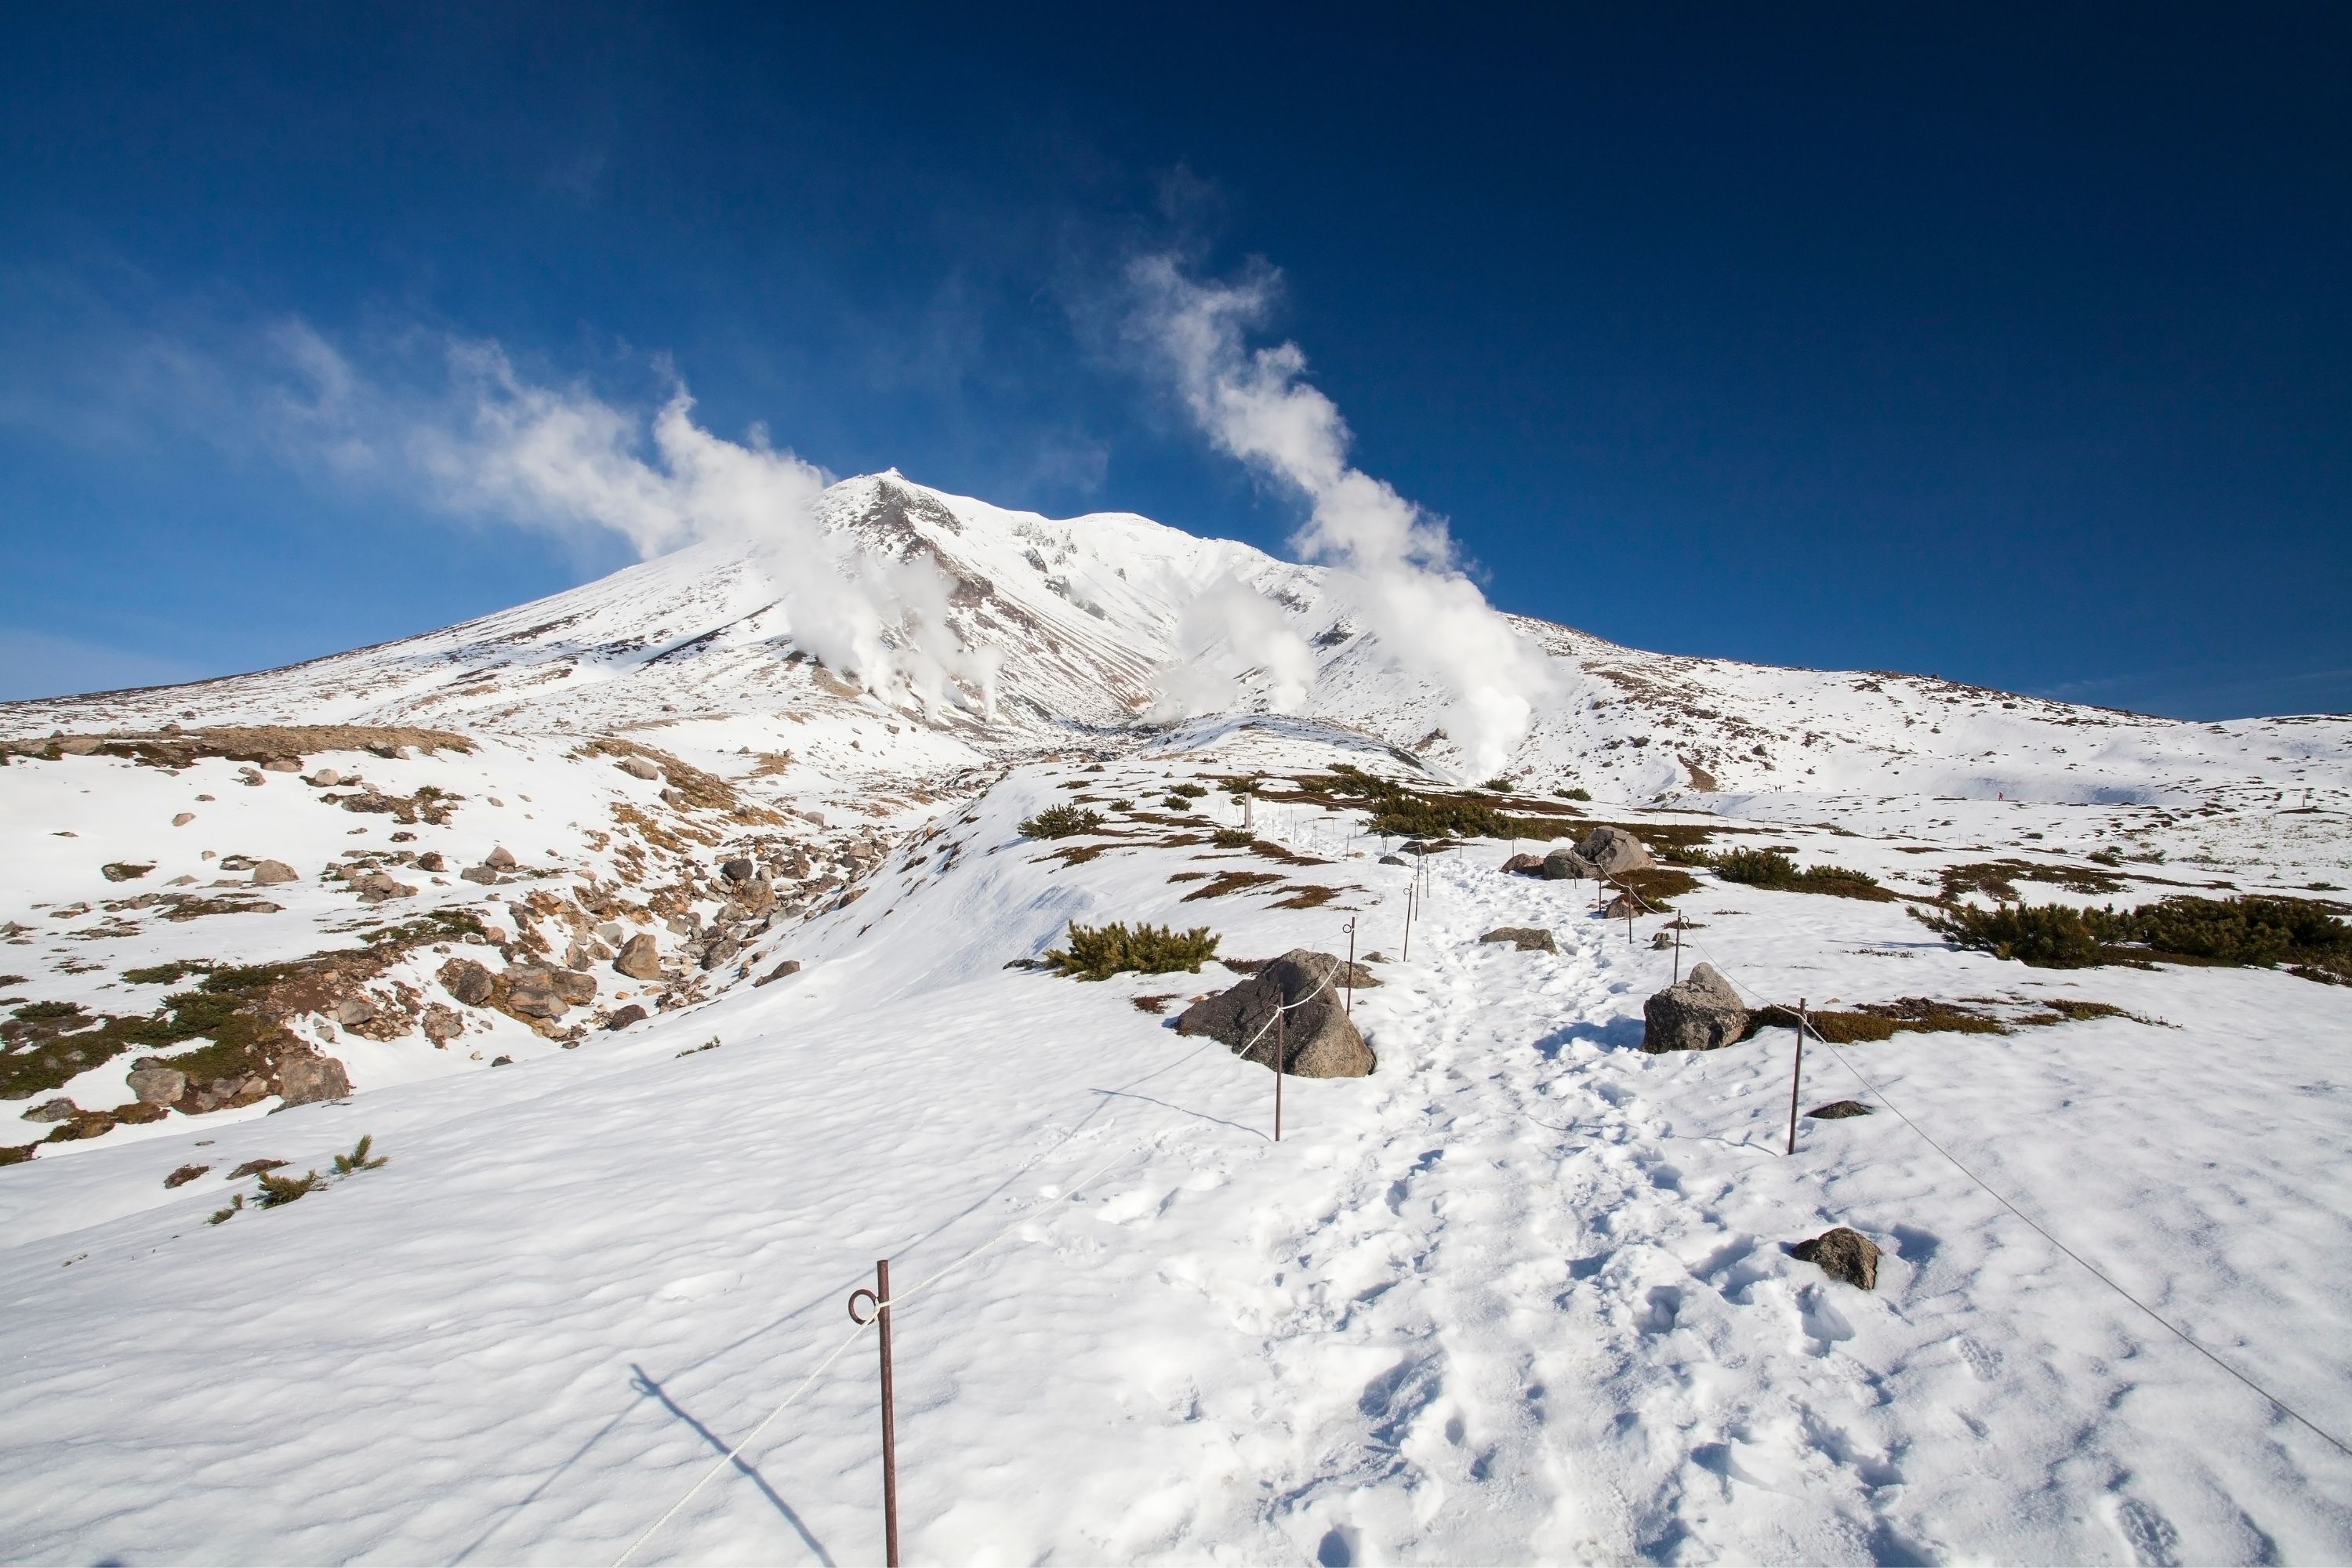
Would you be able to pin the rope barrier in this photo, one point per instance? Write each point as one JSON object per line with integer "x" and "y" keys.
{"x": 908, "y": 1292}
{"x": 1981, "y": 1185}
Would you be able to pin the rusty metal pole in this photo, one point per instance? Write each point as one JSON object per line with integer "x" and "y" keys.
{"x": 1408, "y": 923}
{"x": 1796, "y": 1074}
{"x": 1279, "y": 1055}
{"x": 1678, "y": 952}
{"x": 880, "y": 1300}
{"x": 1351, "y": 968}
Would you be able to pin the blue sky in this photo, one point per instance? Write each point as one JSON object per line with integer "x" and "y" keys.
{"x": 2012, "y": 346}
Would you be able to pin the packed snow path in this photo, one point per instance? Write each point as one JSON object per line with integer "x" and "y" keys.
{"x": 1519, "y": 1295}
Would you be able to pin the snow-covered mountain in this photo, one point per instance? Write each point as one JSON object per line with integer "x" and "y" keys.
{"x": 1079, "y": 618}
{"x": 683, "y": 966}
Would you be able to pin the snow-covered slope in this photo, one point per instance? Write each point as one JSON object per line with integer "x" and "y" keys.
{"x": 1520, "y": 1295}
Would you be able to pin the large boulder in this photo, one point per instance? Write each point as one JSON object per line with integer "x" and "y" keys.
{"x": 265, "y": 872}
{"x": 1526, "y": 938}
{"x": 1615, "y": 851}
{"x": 1701, "y": 1014}
{"x": 1564, "y": 864}
{"x": 1524, "y": 866}
{"x": 640, "y": 957}
{"x": 157, "y": 1084}
{"x": 1842, "y": 1253}
{"x": 466, "y": 980}
{"x": 306, "y": 1078}
{"x": 1317, "y": 1039}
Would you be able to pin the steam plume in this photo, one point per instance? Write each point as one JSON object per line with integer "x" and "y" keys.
{"x": 1396, "y": 565}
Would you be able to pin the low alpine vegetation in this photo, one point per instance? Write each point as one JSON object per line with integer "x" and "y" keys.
{"x": 1097, "y": 952}
{"x": 2253, "y": 931}
{"x": 1061, "y": 822}
{"x": 1772, "y": 869}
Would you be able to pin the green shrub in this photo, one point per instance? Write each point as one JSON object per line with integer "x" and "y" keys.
{"x": 1190, "y": 791}
{"x": 1575, "y": 794}
{"x": 1499, "y": 785}
{"x": 1097, "y": 952}
{"x": 2254, "y": 930}
{"x": 1772, "y": 869}
{"x": 1061, "y": 822}
{"x": 1233, "y": 838}
{"x": 43, "y": 1012}
{"x": 2047, "y": 936}
{"x": 277, "y": 1190}
{"x": 1176, "y": 803}
{"x": 169, "y": 974}
{"x": 357, "y": 1160}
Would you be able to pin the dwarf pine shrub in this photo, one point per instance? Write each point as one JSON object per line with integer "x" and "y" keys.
{"x": 1097, "y": 952}
{"x": 1770, "y": 869}
{"x": 1061, "y": 822}
{"x": 1233, "y": 838}
{"x": 357, "y": 1160}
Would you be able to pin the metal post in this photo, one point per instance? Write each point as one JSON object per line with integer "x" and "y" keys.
{"x": 1678, "y": 952}
{"x": 1796, "y": 1074}
{"x": 1279, "y": 1053}
{"x": 878, "y": 1299}
{"x": 1407, "y": 955}
{"x": 1352, "y": 969}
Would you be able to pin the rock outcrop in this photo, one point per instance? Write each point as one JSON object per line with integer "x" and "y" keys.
{"x": 466, "y": 980}
{"x": 1703, "y": 1013}
{"x": 305, "y": 1079}
{"x": 1317, "y": 1038}
{"x": 1526, "y": 938}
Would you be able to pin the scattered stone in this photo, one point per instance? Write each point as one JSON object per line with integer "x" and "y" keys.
{"x": 139, "y": 1114}
{"x": 1318, "y": 1038}
{"x": 124, "y": 871}
{"x": 499, "y": 859}
{"x": 1524, "y": 866}
{"x": 788, "y": 966}
{"x": 466, "y": 980}
{"x": 265, "y": 872}
{"x": 1526, "y": 938}
{"x": 502, "y": 1061}
{"x": 631, "y": 1013}
{"x": 432, "y": 860}
{"x": 183, "y": 819}
{"x": 482, "y": 874}
{"x": 575, "y": 986}
{"x": 58, "y": 1109}
{"x": 1394, "y": 860}
{"x": 181, "y": 882}
{"x": 375, "y": 887}
{"x": 309, "y": 1078}
{"x": 158, "y": 1084}
{"x": 1703, "y": 1013}
{"x": 89, "y": 1124}
{"x": 444, "y": 1023}
{"x": 738, "y": 870}
{"x": 184, "y": 1175}
{"x": 325, "y": 778}
{"x": 640, "y": 958}
{"x": 353, "y": 1010}
{"x": 637, "y": 767}
{"x": 721, "y": 950}
{"x": 282, "y": 765}
{"x": 1842, "y": 1253}
{"x": 1838, "y": 1109}
{"x": 531, "y": 992}
{"x": 1662, "y": 940}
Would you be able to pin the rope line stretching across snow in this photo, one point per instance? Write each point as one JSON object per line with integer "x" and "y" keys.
{"x": 909, "y": 1293}
{"x": 2089, "y": 1268}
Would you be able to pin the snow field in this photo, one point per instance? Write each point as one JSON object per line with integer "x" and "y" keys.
{"x": 1519, "y": 1296}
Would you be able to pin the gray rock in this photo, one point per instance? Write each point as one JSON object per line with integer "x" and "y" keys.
{"x": 485, "y": 875}
{"x": 1394, "y": 860}
{"x": 265, "y": 872}
{"x": 282, "y": 765}
{"x": 1839, "y": 1110}
{"x": 499, "y": 859}
{"x": 353, "y": 1010}
{"x": 1564, "y": 864}
{"x": 1843, "y": 1255}
{"x": 443, "y": 1024}
{"x": 1615, "y": 851}
{"x": 640, "y": 958}
{"x": 158, "y": 1084}
{"x": 374, "y": 887}
{"x": 1317, "y": 1037}
{"x": 637, "y": 767}
{"x": 721, "y": 948}
{"x": 325, "y": 778}
{"x": 58, "y": 1109}
{"x": 631, "y": 1013}
{"x": 576, "y": 987}
{"x": 1526, "y": 938}
{"x": 1701, "y": 1014}
{"x": 307, "y": 1079}
{"x": 738, "y": 870}
{"x": 788, "y": 966}
{"x": 1524, "y": 866}
{"x": 466, "y": 980}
